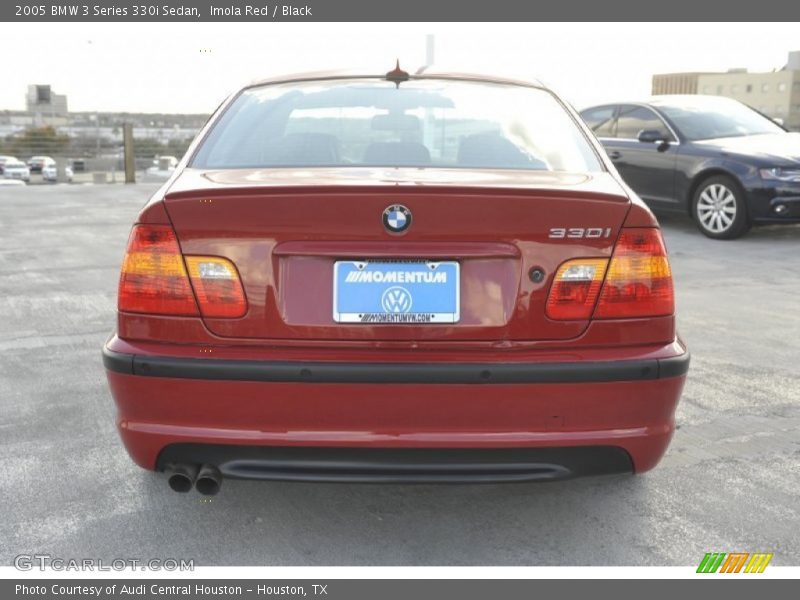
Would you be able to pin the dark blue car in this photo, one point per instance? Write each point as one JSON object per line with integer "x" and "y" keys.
{"x": 723, "y": 163}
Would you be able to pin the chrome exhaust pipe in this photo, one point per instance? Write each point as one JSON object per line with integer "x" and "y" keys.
{"x": 208, "y": 481}
{"x": 182, "y": 477}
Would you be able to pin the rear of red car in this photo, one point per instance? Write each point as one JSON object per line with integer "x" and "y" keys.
{"x": 368, "y": 280}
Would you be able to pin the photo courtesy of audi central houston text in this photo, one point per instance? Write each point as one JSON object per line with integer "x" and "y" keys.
{"x": 395, "y": 277}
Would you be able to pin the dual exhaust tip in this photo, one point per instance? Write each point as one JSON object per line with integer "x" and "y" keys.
{"x": 206, "y": 479}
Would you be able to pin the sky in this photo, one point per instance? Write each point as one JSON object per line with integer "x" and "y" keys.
{"x": 192, "y": 67}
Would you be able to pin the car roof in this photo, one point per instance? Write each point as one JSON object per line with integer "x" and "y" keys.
{"x": 427, "y": 72}
{"x": 668, "y": 100}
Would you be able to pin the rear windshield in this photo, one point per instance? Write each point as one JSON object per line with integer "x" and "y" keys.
{"x": 421, "y": 123}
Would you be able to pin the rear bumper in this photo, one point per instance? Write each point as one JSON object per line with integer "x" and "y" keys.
{"x": 393, "y": 373}
{"x": 384, "y": 421}
{"x": 401, "y": 465}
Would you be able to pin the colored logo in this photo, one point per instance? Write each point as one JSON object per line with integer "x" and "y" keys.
{"x": 397, "y": 218}
{"x": 734, "y": 562}
{"x": 396, "y": 300}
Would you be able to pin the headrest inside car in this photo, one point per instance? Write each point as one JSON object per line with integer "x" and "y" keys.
{"x": 302, "y": 149}
{"x": 491, "y": 149}
{"x": 397, "y": 154}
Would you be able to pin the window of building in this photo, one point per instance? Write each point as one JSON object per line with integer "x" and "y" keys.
{"x": 734, "y": 88}
{"x": 764, "y": 87}
{"x": 778, "y": 110}
{"x": 781, "y": 87}
{"x": 706, "y": 89}
{"x": 749, "y": 88}
{"x": 720, "y": 89}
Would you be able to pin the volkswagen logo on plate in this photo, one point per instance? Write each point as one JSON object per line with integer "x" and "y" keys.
{"x": 397, "y": 218}
{"x": 396, "y": 299}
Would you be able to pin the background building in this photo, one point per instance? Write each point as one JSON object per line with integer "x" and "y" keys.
{"x": 776, "y": 93}
{"x": 675, "y": 83}
{"x": 91, "y": 142}
{"x": 45, "y": 106}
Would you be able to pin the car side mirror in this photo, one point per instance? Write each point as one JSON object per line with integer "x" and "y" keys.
{"x": 651, "y": 136}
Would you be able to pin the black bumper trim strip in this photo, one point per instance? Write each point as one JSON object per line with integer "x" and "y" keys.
{"x": 400, "y": 465}
{"x": 446, "y": 373}
{"x": 117, "y": 361}
{"x": 675, "y": 366}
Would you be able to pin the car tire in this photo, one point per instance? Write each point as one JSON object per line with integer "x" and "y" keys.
{"x": 719, "y": 208}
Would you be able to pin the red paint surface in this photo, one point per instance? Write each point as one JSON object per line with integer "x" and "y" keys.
{"x": 154, "y": 412}
{"x": 283, "y": 229}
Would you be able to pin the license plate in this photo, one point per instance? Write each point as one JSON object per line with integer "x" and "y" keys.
{"x": 395, "y": 292}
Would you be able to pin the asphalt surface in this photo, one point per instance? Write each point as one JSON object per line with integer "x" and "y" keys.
{"x": 730, "y": 480}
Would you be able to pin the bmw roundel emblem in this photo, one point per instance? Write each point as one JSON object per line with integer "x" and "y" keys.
{"x": 396, "y": 218}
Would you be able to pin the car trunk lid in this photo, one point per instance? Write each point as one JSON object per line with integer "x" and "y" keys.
{"x": 285, "y": 229}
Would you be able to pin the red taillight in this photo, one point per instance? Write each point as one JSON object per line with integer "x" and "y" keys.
{"x": 575, "y": 289}
{"x": 217, "y": 286}
{"x": 638, "y": 282}
{"x": 155, "y": 279}
{"x": 639, "y": 279}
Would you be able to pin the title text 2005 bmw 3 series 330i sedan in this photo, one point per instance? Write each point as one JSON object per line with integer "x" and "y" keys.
{"x": 395, "y": 278}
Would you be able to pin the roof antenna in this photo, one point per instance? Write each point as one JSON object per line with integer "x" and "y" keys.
{"x": 397, "y": 75}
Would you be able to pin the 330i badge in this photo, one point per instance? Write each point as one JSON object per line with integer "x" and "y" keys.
{"x": 395, "y": 278}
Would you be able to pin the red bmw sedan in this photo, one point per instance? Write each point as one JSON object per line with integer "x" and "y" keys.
{"x": 395, "y": 278}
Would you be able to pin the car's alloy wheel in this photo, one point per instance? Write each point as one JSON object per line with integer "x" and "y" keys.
{"x": 719, "y": 209}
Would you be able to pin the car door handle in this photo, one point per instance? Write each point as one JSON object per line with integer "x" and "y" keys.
{"x": 614, "y": 154}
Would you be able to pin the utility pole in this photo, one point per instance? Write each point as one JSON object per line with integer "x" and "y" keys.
{"x": 97, "y": 134}
{"x": 430, "y": 49}
{"x": 130, "y": 161}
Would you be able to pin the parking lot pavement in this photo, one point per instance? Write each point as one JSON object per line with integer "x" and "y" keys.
{"x": 116, "y": 176}
{"x": 730, "y": 481}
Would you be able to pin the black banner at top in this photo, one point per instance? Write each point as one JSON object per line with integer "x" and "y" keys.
{"x": 398, "y": 10}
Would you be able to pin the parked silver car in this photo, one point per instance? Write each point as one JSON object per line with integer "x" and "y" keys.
{"x": 16, "y": 169}
{"x": 50, "y": 173}
{"x": 4, "y": 159}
